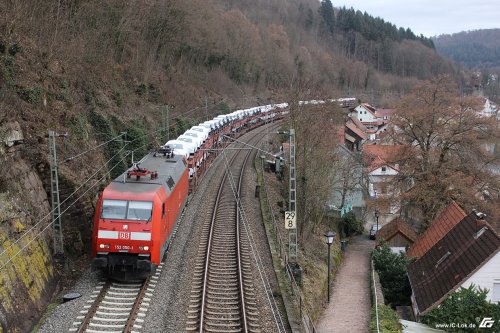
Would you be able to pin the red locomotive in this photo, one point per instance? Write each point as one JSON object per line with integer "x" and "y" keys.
{"x": 136, "y": 213}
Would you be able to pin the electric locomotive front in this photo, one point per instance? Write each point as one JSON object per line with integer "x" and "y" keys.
{"x": 135, "y": 216}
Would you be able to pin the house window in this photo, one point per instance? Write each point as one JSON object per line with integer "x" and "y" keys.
{"x": 384, "y": 169}
{"x": 496, "y": 292}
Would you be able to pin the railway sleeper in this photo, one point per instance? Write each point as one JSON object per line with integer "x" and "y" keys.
{"x": 235, "y": 307}
{"x": 225, "y": 331}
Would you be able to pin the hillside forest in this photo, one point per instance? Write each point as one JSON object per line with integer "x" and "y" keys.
{"x": 478, "y": 49}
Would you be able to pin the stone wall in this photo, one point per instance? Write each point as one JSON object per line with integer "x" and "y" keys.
{"x": 27, "y": 275}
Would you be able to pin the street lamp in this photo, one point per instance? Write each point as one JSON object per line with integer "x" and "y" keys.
{"x": 377, "y": 215}
{"x": 329, "y": 240}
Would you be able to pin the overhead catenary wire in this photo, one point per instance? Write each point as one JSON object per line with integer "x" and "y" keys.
{"x": 51, "y": 222}
{"x": 67, "y": 208}
{"x": 89, "y": 179}
{"x": 86, "y": 181}
{"x": 258, "y": 260}
{"x": 92, "y": 149}
{"x": 64, "y": 201}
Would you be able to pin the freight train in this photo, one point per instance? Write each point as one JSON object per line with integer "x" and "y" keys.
{"x": 137, "y": 212}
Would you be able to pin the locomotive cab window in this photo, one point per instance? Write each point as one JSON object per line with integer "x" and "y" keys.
{"x": 127, "y": 210}
{"x": 139, "y": 210}
{"x": 114, "y": 209}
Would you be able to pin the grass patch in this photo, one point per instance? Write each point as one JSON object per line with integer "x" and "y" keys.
{"x": 388, "y": 320}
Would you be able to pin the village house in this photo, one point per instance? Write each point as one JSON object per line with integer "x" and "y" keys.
{"x": 489, "y": 109}
{"x": 398, "y": 235}
{"x": 354, "y": 134}
{"x": 375, "y": 120}
{"x": 381, "y": 175}
{"x": 467, "y": 254}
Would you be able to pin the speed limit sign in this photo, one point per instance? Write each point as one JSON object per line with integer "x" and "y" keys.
{"x": 290, "y": 220}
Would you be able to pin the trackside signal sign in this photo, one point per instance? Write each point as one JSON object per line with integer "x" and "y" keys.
{"x": 290, "y": 220}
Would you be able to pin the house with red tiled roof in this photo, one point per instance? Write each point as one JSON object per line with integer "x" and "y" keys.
{"x": 354, "y": 135}
{"x": 467, "y": 254}
{"x": 442, "y": 224}
{"x": 382, "y": 171}
{"x": 374, "y": 119}
{"x": 398, "y": 234}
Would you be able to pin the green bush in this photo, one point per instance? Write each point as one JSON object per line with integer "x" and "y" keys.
{"x": 141, "y": 89}
{"x": 392, "y": 268}
{"x": 8, "y": 70}
{"x": 388, "y": 320}
{"x": 119, "y": 98}
{"x": 104, "y": 131}
{"x": 137, "y": 134}
{"x": 469, "y": 306}
{"x": 14, "y": 49}
{"x": 349, "y": 225}
{"x": 181, "y": 126}
{"x": 78, "y": 126}
{"x": 30, "y": 95}
{"x": 224, "y": 108}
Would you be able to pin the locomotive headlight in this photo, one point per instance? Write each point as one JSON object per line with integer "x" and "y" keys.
{"x": 146, "y": 248}
{"x": 104, "y": 246}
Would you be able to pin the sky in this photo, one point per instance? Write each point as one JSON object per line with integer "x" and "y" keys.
{"x": 431, "y": 18}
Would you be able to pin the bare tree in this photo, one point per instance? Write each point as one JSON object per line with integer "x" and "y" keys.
{"x": 444, "y": 158}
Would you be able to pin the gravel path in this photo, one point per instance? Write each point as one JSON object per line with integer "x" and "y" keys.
{"x": 350, "y": 306}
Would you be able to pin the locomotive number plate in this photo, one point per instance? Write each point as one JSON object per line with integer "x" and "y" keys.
{"x": 123, "y": 235}
{"x": 124, "y": 247}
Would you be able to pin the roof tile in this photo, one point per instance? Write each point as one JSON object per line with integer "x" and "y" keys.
{"x": 394, "y": 227}
{"x": 451, "y": 260}
{"x": 445, "y": 221}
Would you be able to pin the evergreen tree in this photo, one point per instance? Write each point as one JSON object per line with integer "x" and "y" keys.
{"x": 328, "y": 15}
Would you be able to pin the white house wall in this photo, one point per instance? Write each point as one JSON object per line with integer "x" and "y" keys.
{"x": 486, "y": 276}
{"x": 364, "y": 115}
{"x": 388, "y": 172}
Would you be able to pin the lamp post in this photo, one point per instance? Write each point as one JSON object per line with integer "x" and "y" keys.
{"x": 329, "y": 240}
{"x": 377, "y": 215}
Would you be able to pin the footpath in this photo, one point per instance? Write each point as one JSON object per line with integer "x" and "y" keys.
{"x": 350, "y": 303}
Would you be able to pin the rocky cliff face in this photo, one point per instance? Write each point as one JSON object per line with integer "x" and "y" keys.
{"x": 27, "y": 275}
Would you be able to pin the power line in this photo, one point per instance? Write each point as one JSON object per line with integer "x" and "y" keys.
{"x": 86, "y": 181}
{"x": 74, "y": 202}
{"x": 64, "y": 201}
{"x": 94, "y": 148}
{"x": 49, "y": 224}
{"x": 73, "y": 193}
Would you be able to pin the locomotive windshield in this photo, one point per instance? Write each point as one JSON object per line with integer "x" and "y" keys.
{"x": 127, "y": 210}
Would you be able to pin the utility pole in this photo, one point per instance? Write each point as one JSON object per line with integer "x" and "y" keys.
{"x": 166, "y": 125}
{"x": 206, "y": 108}
{"x": 54, "y": 194}
{"x": 292, "y": 233}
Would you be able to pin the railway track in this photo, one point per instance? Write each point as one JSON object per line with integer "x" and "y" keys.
{"x": 117, "y": 307}
{"x": 222, "y": 296}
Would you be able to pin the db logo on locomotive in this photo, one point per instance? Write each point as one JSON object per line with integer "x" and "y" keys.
{"x": 124, "y": 235}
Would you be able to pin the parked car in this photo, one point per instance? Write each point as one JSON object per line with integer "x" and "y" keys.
{"x": 373, "y": 231}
